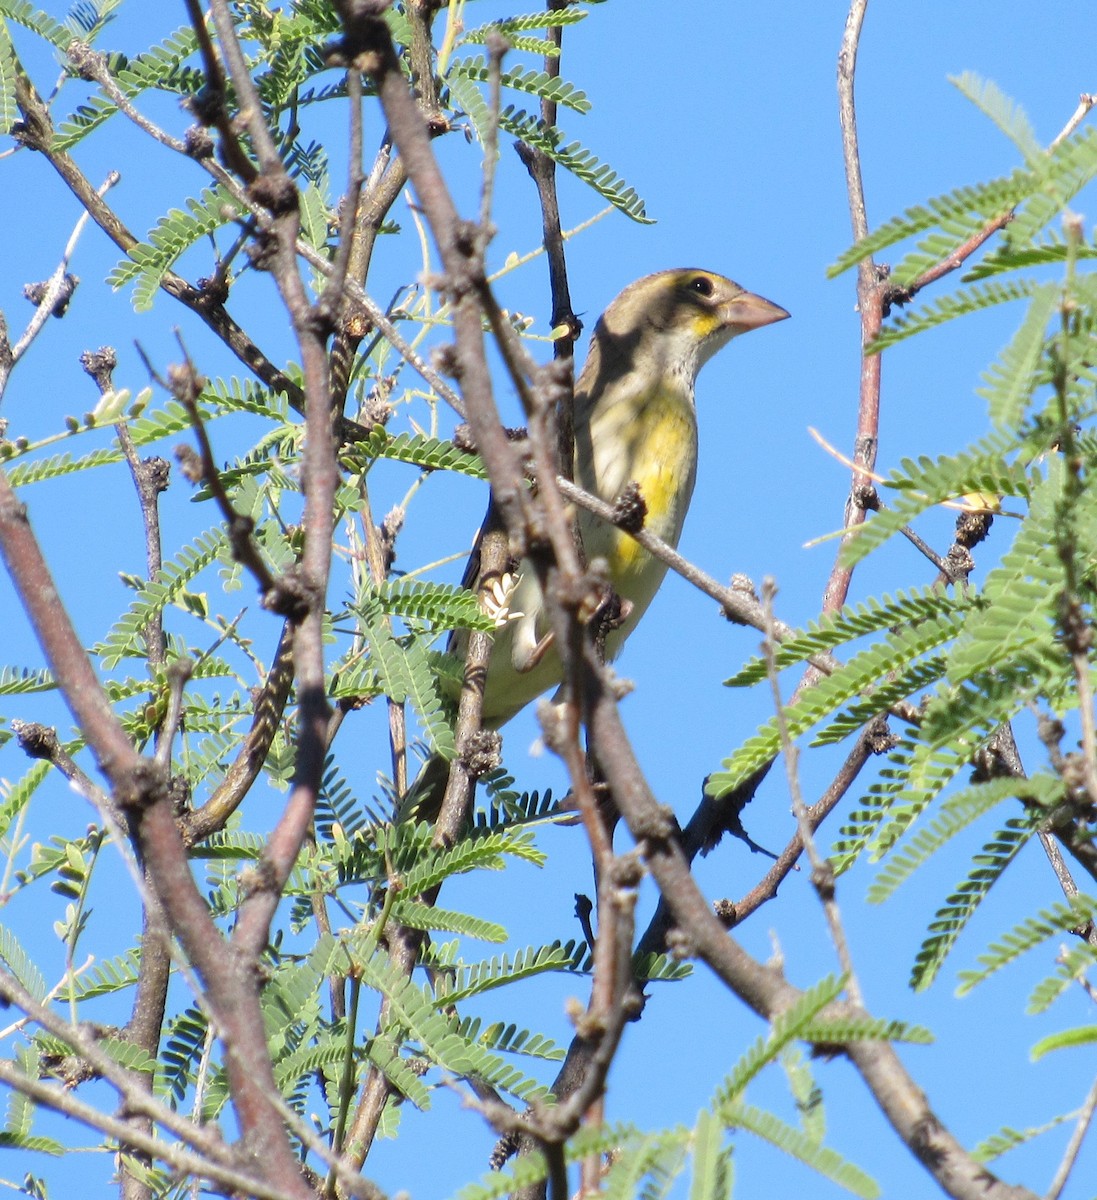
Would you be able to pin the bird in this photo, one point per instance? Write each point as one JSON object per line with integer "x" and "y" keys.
{"x": 635, "y": 423}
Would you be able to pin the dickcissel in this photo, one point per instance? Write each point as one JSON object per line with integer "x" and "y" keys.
{"x": 635, "y": 422}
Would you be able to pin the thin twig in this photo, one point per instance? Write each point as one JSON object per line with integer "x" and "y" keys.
{"x": 497, "y": 48}
{"x": 244, "y": 770}
{"x": 178, "y": 672}
{"x": 206, "y": 1140}
{"x": 766, "y": 889}
{"x": 51, "y": 293}
{"x": 378, "y": 567}
{"x": 92, "y": 64}
{"x": 1074, "y": 1146}
{"x": 1085, "y": 102}
{"x": 763, "y": 987}
{"x": 956, "y": 259}
{"x": 185, "y": 1162}
{"x": 870, "y": 300}
{"x": 37, "y": 134}
{"x": 186, "y": 386}
{"x": 822, "y": 873}
{"x": 334, "y": 293}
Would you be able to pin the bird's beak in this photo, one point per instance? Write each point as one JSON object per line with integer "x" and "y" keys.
{"x": 748, "y": 311}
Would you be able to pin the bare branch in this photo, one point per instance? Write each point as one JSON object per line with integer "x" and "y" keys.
{"x": 47, "y": 301}
{"x": 870, "y": 304}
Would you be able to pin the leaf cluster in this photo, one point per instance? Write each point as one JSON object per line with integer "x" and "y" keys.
{"x": 960, "y": 669}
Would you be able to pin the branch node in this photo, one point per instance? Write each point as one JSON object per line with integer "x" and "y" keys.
{"x": 198, "y": 143}
{"x": 744, "y": 586}
{"x": 480, "y": 752}
{"x": 276, "y": 193}
{"x": 290, "y": 595}
{"x": 658, "y": 825}
{"x": 37, "y": 292}
{"x": 866, "y": 497}
{"x": 822, "y": 879}
{"x": 89, "y": 64}
{"x": 445, "y": 361}
{"x": 100, "y": 364}
{"x": 680, "y": 944}
{"x": 627, "y": 870}
{"x": 630, "y": 509}
{"x": 147, "y": 784}
{"x": 35, "y": 740}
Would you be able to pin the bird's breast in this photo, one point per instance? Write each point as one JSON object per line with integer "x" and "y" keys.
{"x": 652, "y": 442}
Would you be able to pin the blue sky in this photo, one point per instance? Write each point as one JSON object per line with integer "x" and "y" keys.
{"x": 723, "y": 116}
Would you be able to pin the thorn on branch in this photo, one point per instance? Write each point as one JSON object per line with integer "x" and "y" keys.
{"x": 584, "y": 910}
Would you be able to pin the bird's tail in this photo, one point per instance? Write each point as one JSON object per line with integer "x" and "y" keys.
{"x": 423, "y": 799}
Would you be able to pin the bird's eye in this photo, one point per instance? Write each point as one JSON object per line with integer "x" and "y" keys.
{"x": 702, "y": 285}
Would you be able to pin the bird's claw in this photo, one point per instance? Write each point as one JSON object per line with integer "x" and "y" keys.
{"x": 496, "y": 600}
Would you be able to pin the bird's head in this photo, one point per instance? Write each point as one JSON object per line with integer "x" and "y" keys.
{"x": 681, "y": 317}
